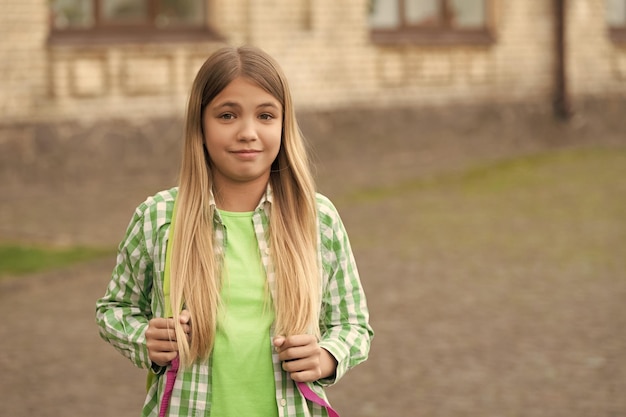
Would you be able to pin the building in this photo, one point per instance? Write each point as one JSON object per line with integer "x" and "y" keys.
{"x": 94, "y": 59}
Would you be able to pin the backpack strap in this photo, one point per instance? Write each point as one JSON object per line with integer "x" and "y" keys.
{"x": 310, "y": 395}
{"x": 170, "y": 375}
{"x": 168, "y": 262}
{"x": 166, "y": 290}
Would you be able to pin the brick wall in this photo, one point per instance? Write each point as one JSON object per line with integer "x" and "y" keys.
{"x": 324, "y": 47}
{"x": 597, "y": 65}
{"x": 123, "y": 81}
{"x": 23, "y": 78}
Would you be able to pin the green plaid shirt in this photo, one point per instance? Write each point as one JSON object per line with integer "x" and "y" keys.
{"x": 135, "y": 295}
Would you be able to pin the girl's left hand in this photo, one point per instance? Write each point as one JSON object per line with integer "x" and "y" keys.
{"x": 303, "y": 358}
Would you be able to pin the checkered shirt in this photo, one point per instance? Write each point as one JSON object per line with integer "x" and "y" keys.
{"x": 135, "y": 295}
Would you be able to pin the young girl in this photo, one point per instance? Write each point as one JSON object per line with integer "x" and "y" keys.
{"x": 238, "y": 289}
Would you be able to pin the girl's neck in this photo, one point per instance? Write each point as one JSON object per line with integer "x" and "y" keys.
{"x": 239, "y": 197}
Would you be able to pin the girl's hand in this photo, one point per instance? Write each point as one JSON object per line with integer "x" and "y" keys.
{"x": 303, "y": 358}
{"x": 161, "y": 338}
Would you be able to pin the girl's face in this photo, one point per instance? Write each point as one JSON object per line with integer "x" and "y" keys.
{"x": 242, "y": 133}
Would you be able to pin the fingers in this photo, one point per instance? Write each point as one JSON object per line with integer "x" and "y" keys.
{"x": 161, "y": 341}
{"x": 278, "y": 341}
{"x": 295, "y": 347}
{"x": 161, "y": 329}
{"x": 162, "y": 358}
{"x": 303, "y": 370}
{"x": 300, "y": 356}
{"x": 185, "y": 321}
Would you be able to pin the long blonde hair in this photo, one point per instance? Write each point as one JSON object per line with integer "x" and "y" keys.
{"x": 195, "y": 263}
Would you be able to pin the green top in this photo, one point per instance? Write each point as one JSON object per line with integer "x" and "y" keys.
{"x": 243, "y": 375}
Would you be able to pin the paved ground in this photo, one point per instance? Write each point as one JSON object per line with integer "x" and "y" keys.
{"x": 446, "y": 345}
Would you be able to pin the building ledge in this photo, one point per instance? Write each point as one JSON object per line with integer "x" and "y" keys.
{"x": 432, "y": 37}
{"x": 618, "y": 35}
{"x": 133, "y": 36}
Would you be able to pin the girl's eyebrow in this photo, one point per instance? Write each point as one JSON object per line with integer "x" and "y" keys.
{"x": 232, "y": 104}
{"x": 228, "y": 104}
{"x": 268, "y": 104}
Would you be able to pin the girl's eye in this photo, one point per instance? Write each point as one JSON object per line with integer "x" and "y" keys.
{"x": 266, "y": 116}
{"x": 226, "y": 116}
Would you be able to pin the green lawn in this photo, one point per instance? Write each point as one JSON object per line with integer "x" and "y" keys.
{"x": 23, "y": 259}
{"x": 557, "y": 206}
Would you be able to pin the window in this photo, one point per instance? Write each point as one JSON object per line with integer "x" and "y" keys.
{"x": 430, "y": 21}
{"x": 109, "y": 19}
{"x": 616, "y": 19}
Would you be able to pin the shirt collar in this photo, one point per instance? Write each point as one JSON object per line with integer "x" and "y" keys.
{"x": 266, "y": 199}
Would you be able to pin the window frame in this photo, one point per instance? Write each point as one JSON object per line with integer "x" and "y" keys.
{"x": 618, "y": 34}
{"x": 444, "y": 33}
{"x": 104, "y": 32}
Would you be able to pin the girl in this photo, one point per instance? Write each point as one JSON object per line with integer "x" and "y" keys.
{"x": 242, "y": 274}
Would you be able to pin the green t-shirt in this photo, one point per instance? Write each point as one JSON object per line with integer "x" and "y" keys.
{"x": 242, "y": 373}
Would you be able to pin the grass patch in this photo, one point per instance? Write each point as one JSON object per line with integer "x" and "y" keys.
{"x": 588, "y": 165}
{"x": 18, "y": 260}
{"x": 564, "y": 209}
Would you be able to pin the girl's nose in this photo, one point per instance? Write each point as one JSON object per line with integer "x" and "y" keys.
{"x": 247, "y": 132}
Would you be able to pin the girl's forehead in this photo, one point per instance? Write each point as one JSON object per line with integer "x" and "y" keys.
{"x": 243, "y": 90}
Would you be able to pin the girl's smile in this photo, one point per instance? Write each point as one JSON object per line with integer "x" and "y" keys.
{"x": 246, "y": 154}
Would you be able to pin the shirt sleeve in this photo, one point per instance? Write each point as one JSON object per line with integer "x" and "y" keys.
{"x": 122, "y": 314}
{"x": 345, "y": 330}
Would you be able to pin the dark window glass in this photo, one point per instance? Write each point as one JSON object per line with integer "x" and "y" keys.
{"x": 68, "y": 14}
{"x": 429, "y": 21}
{"x": 98, "y": 14}
{"x": 124, "y": 11}
{"x": 616, "y": 13}
{"x": 180, "y": 13}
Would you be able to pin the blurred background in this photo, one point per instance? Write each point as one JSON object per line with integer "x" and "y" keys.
{"x": 476, "y": 150}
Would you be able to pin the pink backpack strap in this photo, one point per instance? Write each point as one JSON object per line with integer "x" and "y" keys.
{"x": 169, "y": 387}
{"x": 173, "y": 369}
{"x": 313, "y": 397}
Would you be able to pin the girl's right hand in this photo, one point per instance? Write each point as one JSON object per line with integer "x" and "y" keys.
{"x": 161, "y": 338}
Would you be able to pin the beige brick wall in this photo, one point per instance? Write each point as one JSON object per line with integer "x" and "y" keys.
{"x": 597, "y": 65}
{"x": 23, "y": 30}
{"x": 122, "y": 81}
{"x": 524, "y": 52}
{"x": 324, "y": 47}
